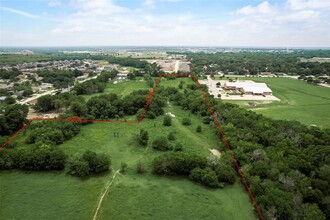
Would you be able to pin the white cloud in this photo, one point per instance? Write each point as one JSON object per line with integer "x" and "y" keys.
{"x": 101, "y": 7}
{"x": 54, "y": 3}
{"x": 149, "y": 3}
{"x": 262, "y": 8}
{"x": 23, "y": 13}
{"x": 103, "y": 22}
{"x": 308, "y": 4}
{"x": 301, "y": 16}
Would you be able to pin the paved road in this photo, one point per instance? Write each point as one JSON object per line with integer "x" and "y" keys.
{"x": 51, "y": 92}
{"x": 176, "y": 66}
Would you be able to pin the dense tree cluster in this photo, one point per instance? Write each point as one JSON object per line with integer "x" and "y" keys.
{"x": 196, "y": 167}
{"x": 162, "y": 144}
{"x": 254, "y": 63}
{"x": 89, "y": 163}
{"x": 59, "y": 78}
{"x": 127, "y": 61}
{"x": 12, "y": 118}
{"x": 38, "y": 157}
{"x": 284, "y": 162}
{"x": 94, "y": 85}
{"x": 9, "y": 74}
{"x": 52, "y": 133}
{"x": 143, "y": 137}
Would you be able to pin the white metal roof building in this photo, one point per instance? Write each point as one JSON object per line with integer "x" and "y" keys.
{"x": 249, "y": 87}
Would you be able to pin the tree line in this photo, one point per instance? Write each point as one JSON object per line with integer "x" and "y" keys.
{"x": 286, "y": 163}
{"x": 254, "y": 63}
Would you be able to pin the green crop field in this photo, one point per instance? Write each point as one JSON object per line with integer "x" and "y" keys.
{"x": 308, "y": 104}
{"x": 57, "y": 195}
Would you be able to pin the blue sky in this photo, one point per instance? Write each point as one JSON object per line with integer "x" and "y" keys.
{"x": 282, "y": 23}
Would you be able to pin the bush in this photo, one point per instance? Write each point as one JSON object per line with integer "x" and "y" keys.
{"x": 178, "y": 147}
{"x": 225, "y": 174}
{"x": 97, "y": 162}
{"x": 171, "y": 136}
{"x": 35, "y": 158}
{"x": 206, "y": 120}
{"x": 206, "y": 177}
{"x": 167, "y": 120}
{"x": 123, "y": 167}
{"x": 141, "y": 167}
{"x": 143, "y": 137}
{"x": 162, "y": 144}
{"x": 177, "y": 163}
{"x": 199, "y": 129}
{"x": 78, "y": 167}
{"x": 186, "y": 121}
{"x": 89, "y": 163}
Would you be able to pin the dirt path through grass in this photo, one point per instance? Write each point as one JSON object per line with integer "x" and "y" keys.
{"x": 107, "y": 187}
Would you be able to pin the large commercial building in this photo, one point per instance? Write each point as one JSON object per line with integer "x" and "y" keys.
{"x": 249, "y": 88}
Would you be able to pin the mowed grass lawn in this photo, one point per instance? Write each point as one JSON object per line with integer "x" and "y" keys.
{"x": 308, "y": 104}
{"x": 52, "y": 195}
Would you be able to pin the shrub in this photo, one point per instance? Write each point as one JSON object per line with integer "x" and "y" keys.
{"x": 206, "y": 120}
{"x": 206, "y": 177}
{"x": 78, "y": 167}
{"x": 141, "y": 167}
{"x": 171, "y": 136}
{"x": 123, "y": 167}
{"x": 143, "y": 137}
{"x": 225, "y": 174}
{"x": 162, "y": 144}
{"x": 89, "y": 163}
{"x": 186, "y": 121}
{"x": 167, "y": 121}
{"x": 177, "y": 163}
{"x": 97, "y": 162}
{"x": 178, "y": 147}
{"x": 150, "y": 114}
{"x": 199, "y": 129}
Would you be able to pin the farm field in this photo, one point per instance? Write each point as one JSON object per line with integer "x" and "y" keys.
{"x": 57, "y": 195}
{"x": 300, "y": 101}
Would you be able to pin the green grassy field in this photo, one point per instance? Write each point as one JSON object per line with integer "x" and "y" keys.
{"x": 52, "y": 195}
{"x": 124, "y": 88}
{"x": 299, "y": 101}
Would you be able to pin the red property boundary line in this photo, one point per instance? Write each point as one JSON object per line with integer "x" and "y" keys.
{"x": 148, "y": 100}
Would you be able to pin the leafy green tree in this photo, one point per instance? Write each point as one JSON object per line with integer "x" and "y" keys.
{"x": 97, "y": 162}
{"x": 199, "y": 129}
{"x": 186, "y": 121}
{"x": 9, "y": 100}
{"x": 27, "y": 92}
{"x": 225, "y": 174}
{"x": 131, "y": 76}
{"x": 12, "y": 118}
{"x": 44, "y": 103}
{"x": 171, "y": 136}
{"x": 78, "y": 167}
{"x": 205, "y": 176}
{"x": 167, "y": 121}
{"x": 312, "y": 211}
{"x": 143, "y": 137}
{"x": 78, "y": 109}
{"x": 162, "y": 144}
